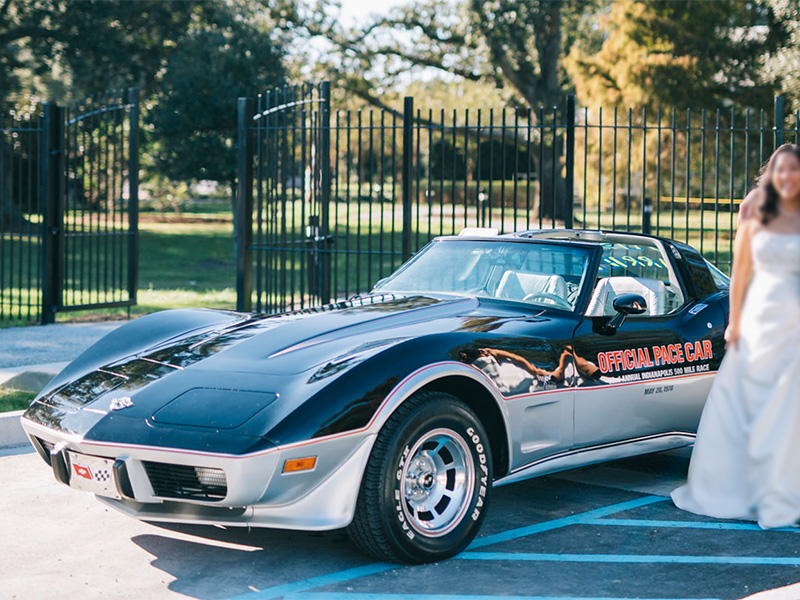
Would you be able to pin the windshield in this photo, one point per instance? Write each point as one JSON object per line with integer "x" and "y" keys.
{"x": 541, "y": 274}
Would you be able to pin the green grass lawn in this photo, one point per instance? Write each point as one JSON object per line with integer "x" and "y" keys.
{"x": 14, "y": 400}
{"x": 187, "y": 259}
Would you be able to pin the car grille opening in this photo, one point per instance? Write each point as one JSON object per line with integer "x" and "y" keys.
{"x": 48, "y": 446}
{"x": 186, "y": 482}
{"x": 43, "y": 447}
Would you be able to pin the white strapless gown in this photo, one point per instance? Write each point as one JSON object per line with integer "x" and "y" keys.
{"x": 746, "y": 459}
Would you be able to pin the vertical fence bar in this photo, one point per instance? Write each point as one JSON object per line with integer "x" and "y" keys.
{"x": 780, "y": 115}
{"x": 52, "y": 224}
{"x": 133, "y": 198}
{"x": 408, "y": 132}
{"x": 243, "y": 217}
{"x": 570, "y": 160}
{"x": 647, "y": 205}
{"x": 702, "y": 178}
{"x": 325, "y": 192}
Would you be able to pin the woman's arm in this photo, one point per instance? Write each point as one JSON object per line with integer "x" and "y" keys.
{"x": 740, "y": 279}
{"x": 750, "y": 204}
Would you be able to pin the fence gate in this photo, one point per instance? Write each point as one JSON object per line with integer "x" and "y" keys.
{"x": 69, "y": 208}
{"x": 330, "y": 201}
{"x": 282, "y": 216}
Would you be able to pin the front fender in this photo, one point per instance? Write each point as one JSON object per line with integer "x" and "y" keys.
{"x": 362, "y": 400}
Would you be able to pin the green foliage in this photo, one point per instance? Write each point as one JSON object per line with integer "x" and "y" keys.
{"x": 190, "y": 59}
{"x": 14, "y": 400}
{"x": 192, "y": 118}
{"x": 675, "y": 54}
{"x": 511, "y": 44}
{"x": 64, "y": 49}
{"x": 782, "y": 66}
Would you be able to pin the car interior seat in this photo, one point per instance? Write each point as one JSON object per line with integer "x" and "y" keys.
{"x": 516, "y": 286}
{"x": 652, "y": 290}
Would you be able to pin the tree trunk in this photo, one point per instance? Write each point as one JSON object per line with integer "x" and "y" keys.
{"x": 555, "y": 201}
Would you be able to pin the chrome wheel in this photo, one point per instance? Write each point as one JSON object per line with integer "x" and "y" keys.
{"x": 438, "y": 481}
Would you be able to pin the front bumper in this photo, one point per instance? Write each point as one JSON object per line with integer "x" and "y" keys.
{"x": 258, "y": 493}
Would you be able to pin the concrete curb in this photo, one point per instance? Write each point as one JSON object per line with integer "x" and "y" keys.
{"x": 11, "y": 432}
{"x": 29, "y": 379}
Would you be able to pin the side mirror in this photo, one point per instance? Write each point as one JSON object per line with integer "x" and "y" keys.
{"x": 630, "y": 304}
{"x": 626, "y": 304}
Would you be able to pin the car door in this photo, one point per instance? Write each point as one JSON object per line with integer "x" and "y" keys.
{"x": 650, "y": 375}
{"x": 526, "y": 363}
{"x": 527, "y": 353}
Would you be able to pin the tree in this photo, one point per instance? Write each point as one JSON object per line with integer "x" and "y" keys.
{"x": 782, "y": 66}
{"x": 192, "y": 117}
{"x": 67, "y": 48}
{"x": 675, "y": 54}
{"x": 513, "y": 44}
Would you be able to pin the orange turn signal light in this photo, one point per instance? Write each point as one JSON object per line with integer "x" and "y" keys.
{"x": 294, "y": 465}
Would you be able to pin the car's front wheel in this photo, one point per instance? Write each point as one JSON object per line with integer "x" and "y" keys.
{"x": 426, "y": 486}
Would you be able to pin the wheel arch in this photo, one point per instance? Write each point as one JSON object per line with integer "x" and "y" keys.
{"x": 483, "y": 403}
{"x": 470, "y": 386}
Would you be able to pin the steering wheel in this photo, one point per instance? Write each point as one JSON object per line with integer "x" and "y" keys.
{"x": 555, "y": 299}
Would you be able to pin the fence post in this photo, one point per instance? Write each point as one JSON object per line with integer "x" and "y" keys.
{"x": 647, "y": 215}
{"x": 325, "y": 181}
{"x": 52, "y": 213}
{"x": 243, "y": 215}
{"x": 780, "y": 115}
{"x": 133, "y": 197}
{"x": 408, "y": 149}
{"x": 570, "y": 160}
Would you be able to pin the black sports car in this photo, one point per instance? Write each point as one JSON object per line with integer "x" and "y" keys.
{"x": 483, "y": 360}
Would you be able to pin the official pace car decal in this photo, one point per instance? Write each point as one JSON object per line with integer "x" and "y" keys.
{"x": 661, "y": 360}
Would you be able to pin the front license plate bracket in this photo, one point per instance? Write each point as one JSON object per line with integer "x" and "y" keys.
{"x": 92, "y": 474}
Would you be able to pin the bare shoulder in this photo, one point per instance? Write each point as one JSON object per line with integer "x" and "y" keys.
{"x": 750, "y": 206}
{"x": 748, "y": 227}
{"x": 756, "y": 195}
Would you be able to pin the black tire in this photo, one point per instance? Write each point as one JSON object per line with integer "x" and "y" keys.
{"x": 408, "y": 467}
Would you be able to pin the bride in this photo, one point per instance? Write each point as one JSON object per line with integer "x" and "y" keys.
{"x": 746, "y": 459}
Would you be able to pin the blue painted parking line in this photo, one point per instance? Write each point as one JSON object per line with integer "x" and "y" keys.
{"x": 582, "y": 518}
{"x": 304, "y": 585}
{"x": 361, "y": 596}
{"x": 691, "y": 525}
{"x": 302, "y": 590}
{"x": 632, "y": 558}
{"x": 284, "y": 590}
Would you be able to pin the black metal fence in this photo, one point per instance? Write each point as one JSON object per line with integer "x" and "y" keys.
{"x": 330, "y": 201}
{"x": 69, "y": 208}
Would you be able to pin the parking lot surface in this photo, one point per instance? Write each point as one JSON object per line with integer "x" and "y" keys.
{"x": 599, "y": 533}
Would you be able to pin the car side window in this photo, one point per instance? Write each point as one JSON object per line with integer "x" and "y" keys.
{"x": 635, "y": 269}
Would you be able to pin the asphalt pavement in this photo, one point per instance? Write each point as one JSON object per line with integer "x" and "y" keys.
{"x": 602, "y": 533}
{"x": 45, "y": 344}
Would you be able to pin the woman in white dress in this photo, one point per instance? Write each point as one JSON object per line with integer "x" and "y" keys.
{"x": 746, "y": 459}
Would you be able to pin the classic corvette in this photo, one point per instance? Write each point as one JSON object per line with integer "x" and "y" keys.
{"x": 484, "y": 360}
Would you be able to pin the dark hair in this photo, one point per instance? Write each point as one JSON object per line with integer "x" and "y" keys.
{"x": 769, "y": 207}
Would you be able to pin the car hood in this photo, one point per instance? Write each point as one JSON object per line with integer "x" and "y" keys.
{"x": 294, "y": 342}
{"x": 166, "y": 392}
{"x": 280, "y": 345}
